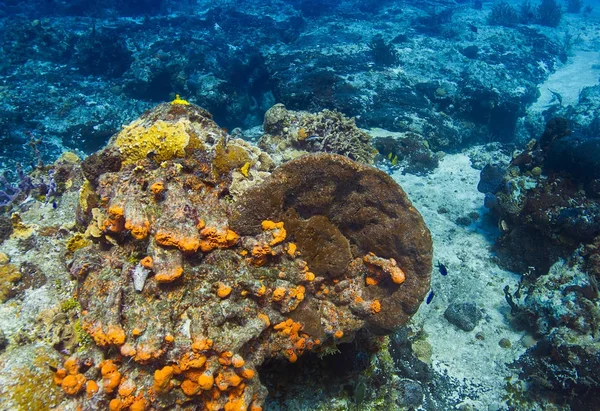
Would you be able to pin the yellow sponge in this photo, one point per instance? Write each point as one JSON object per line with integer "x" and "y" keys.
{"x": 162, "y": 140}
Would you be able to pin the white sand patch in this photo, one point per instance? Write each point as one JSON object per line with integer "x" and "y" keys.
{"x": 472, "y": 277}
{"x": 582, "y": 70}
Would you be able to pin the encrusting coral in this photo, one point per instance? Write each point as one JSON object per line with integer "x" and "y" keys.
{"x": 9, "y": 275}
{"x": 290, "y": 134}
{"x": 186, "y": 292}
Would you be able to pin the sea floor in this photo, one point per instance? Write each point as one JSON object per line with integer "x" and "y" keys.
{"x": 474, "y": 360}
{"x": 581, "y": 70}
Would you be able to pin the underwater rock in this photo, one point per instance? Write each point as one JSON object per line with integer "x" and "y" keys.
{"x": 491, "y": 179}
{"x": 99, "y": 163}
{"x": 9, "y": 277}
{"x": 470, "y": 52}
{"x": 564, "y": 363}
{"x": 524, "y": 247}
{"x": 28, "y": 378}
{"x": 582, "y": 116}
{"x": 560, "y": 308}
{"x": 6, "y": 227}
{"x": 57, "y": 327}
{"x": 409, "y": 151}
{"x": 562, "y": 297}
{"x": 556, "y": 129}
{"x": 140, "y": 274}
{"x": 407, "y": 364}
{"x": 289, "y": 134}
{"x": 548, "y": 201}
{"x": 576, "y": 155}
{"x": 301, "y": 260}
{"x": 411, "y": 394}
{"x": 464, "y": 315}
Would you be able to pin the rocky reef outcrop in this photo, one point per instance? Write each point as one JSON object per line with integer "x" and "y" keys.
{"x": 185, "y": 289}
{"x": 441, "y": 71}
{"x": 547, "y": 199}
{"x": 548, "y": 206}
{"x": 289, "y": 134}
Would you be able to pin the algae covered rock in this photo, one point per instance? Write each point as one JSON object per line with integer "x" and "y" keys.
{"x": 464, "y": 315}
{"x": 290, "y": 134}
{"x": 187, "y": 290}
{"x": 547, "y": 199}
{"x": 9, "y": 276}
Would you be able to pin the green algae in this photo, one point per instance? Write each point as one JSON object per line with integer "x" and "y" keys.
{"x": 70, "y": 304}
{"x": 84, "y": 340}
{"x": 34, "y": 387}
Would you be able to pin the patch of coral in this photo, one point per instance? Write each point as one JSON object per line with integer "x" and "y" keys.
{"x": 227, "y": 283}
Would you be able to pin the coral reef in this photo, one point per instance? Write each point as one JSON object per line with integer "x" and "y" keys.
{"x": 358, "y": 211}
{"x": 548, "y": 204}
{"x": 560, "y": 309}
{"x": 289, "y": 134}
{"x": 384, "y": 76}
{"x": 408, "y": 151}
{"x": 160, "y": 216}
{"x": 186, "y": 290}
{"x": 503, "y": 14}
{"x": 29, "y": 380}
{"x": 9, "y": 275}
{"x": 547, "y": 200}
{"x": 549, "y": 13}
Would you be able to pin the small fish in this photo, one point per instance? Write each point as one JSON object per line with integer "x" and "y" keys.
{"x": 442, "y": 268}
{"x": 54, "y": 205}
{"x": 390, "y": 156}
{"x": 312, "y": 138}
{"x": 429, "y": 297}
{"x": 395, "y": 160}
{"x": 359, "y": 393}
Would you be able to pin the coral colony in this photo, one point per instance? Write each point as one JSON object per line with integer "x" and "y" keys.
{"x": 186, "y": 293}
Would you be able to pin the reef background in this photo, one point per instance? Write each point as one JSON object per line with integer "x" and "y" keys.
{"x": 442, "y": 90}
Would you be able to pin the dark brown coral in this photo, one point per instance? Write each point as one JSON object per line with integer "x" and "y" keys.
{"x": 338, "y": 210}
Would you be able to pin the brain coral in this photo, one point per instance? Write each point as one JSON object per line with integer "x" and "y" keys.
{"x": 187, "y": 291}
{"x": 338, "y": 211}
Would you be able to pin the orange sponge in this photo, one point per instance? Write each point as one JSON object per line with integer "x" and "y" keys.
{"x": 162, "y": 379}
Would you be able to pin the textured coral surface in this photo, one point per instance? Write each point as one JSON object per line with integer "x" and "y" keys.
{"x": 339, "y": 211}
{"x": 187, "y": 290}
